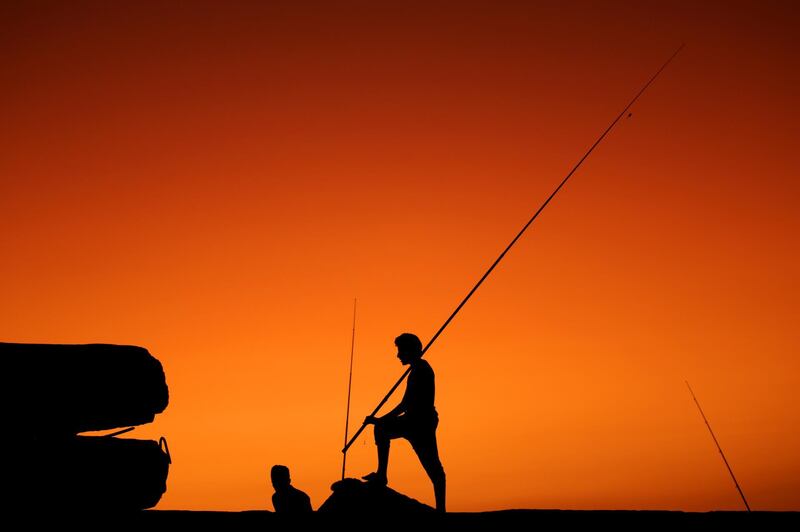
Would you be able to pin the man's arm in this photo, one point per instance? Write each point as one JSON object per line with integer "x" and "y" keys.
{"x": 399, "y": 409}
{"x": 394, "y": 412}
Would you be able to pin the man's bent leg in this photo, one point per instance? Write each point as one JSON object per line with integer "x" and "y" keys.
{"x": 382, "y": 442}
{"x": 385, "y": 431}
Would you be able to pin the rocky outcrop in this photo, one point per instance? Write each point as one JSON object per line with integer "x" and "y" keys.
{"x": 53, "y": 389}
{"x": 54, "y": 392}
{"x": 352, "y": 496}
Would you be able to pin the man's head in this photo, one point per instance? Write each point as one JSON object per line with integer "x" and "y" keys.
{"x": 280, "y": 477}
{"x": 409, "y": 348}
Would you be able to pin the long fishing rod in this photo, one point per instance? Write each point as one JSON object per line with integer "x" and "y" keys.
{"x": 524, "y": 228}
{"x": 718, "y": 447}
{"x": 349, "y": 387}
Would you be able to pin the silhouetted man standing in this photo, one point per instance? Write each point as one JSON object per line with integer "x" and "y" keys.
{"x": 414, "y": 419}
{"x": 287, "y": 499}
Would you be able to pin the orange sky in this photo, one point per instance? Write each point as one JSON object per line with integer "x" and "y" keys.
{"x": 217, "y": 182}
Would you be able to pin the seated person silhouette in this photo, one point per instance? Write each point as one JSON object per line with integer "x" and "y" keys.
{"x": 414, "y": 419}
{"x": 287, "y": 499}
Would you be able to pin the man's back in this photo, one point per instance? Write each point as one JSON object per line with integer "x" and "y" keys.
{"x": 291, "y": 500}
{"x": 420, "y": 391}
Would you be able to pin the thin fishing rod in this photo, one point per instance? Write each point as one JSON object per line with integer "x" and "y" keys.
{"x": 349, "y": 387}
{"x": 718, "y": 447}
{"x": 524, "y": 228}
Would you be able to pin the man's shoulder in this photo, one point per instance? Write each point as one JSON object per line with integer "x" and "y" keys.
{"x": 422, "y": 366}
{"x": 299, "y": 493}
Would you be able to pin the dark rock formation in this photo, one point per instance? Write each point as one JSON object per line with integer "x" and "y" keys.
{"x": 91, "y": 473}
{"x": 351, "y": 496}
{"x": 57, "y": 390}
{"x": 53, "y": 392}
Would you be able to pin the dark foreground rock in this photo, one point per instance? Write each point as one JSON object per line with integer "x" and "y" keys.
{"x": 87, "y": 474}
{"x": 498, "y": 521}
{"x": 53, "y": 390}
{"x": 355, "y": 497}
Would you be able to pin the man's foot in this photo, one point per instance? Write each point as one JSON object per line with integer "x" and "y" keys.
{"x": 376, "y": 478}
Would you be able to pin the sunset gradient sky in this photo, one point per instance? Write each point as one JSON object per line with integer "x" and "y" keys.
{"x": 216, "y": 182}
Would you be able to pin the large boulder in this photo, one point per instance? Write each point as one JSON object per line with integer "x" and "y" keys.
{"x": 352, "y": 496}
{"x": 56, "y": 390}
{"x": 88, "y": 474}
